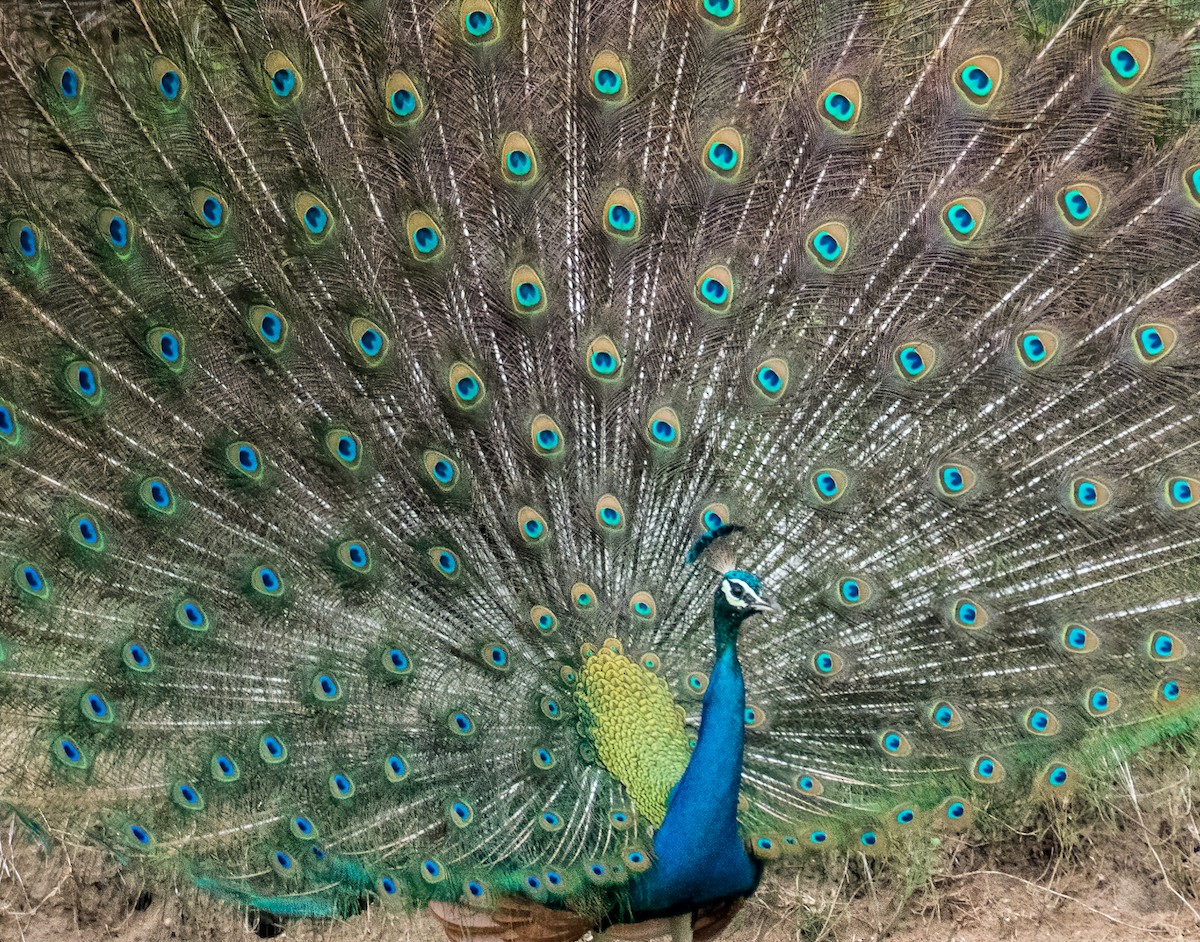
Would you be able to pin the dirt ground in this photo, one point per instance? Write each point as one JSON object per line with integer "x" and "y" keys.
{"x": 1126, "y": 868}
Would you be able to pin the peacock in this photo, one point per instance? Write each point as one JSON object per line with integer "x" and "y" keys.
{"x": 550, "y": 460}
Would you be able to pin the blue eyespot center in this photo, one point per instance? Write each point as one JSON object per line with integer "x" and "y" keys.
{"x": 68, "y": 81}
{"x": 518, "y": 162}
{"x": 404, "y": 102}
{"x": 282, "y": 82}
{"x": 370, "y": 342}
{"x": 607, "y": 81}
{"x": 213, "y": 211}
{"x": 714, "y": 291}
{"x": 528, "y": 293}
{"x": 426, "y": 239}
{"x": 27, "y": 242}
{"x": 118, "y": 231}
{"x": 839, "y": 107}
{"x": 663, "y": 430}
{"x": 169, "y": 84}
{"x": 479, "y": 23}
{"x": 977, "y": 81}
{"x": 271, "y": 327}
{"x": 1124, "y": 62}
{"x": 315, "y": 218}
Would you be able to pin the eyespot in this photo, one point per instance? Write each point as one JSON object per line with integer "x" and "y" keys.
{"x": 603, "y": 360}
{"x": 987, "y": 770}
{"x": 609, "y": 84}
{"x": 1126, "y": 61}
{"x": 266, "y": 581}
{"x": 432, "y": 871}
{"x": 841, "y": 103}
{"x": 68, "y": 752}
{"x": 979, "y": 79}
{"x": 474, "y": 889}
{"x": 83, "y": 379}
{"x": 1089, "y": 494}
{"x": 1079, "y": 640}
{"x": 369, "y": 341}
{"x": 425, "y": 240}
{"x": 1153, "y": 341}
{"x": 518, "y": 162}
{"x": 395, "y": 769}
{"x": 696, "y": 683}
{"x": 1036, "y": 347}
{"x": 894, "y": 743}
{"x": 713, "y": 516}
{"x": 546, "y": 436}
{"x": 829, "y": 484}
{"x": 1182, "y": 493}
{"x": 479, "y": 24}
{"x": 969, "y": 614}
{"x": 495, "y": 656}
{"x": 95, "y": 708}
{"x": 809, "y": 784}
{"x": 1169, "y": 692}
{"x": 551, "y": 709}
{"x": 1165, "y": 646}
{"x": 905, "y": 816}
{"x": 1041, "y": 722}
{"x": 326, "y": 688}
{"x": 827, "y": 663}
{"x": 313, "y": 216}
{"x": 543, "y": 758}
{"x": 137, "y": 658}
{"x": 914, "y": 360}
{"x": 583, "y": 596}
{"x": 209, "y": 208}
{"x": 1191, "y": 182}
{"x": 344, "y": 447}
{"x": 610, "y": 516}
{"x": 955, "y": 480}
{"x": 442, "y": 470}
{"x": 532, "y": 525}
{"x": 26, "y": 240}
{"x": 642, "y": 605}
{"x": 69, "y": 81}
{"x": 527, "y": 292}
{"x": 269, "y": 327}
{"x": 770, "y": 378}
{"x": 86, "y": 533}
{"x": 187, "y": 797}
{"x": 387, "y": 885}
{"x": 396, "y": 662}
{"x": 190, "y": 615}
{"x": 1079, "y": 204}
{"x": 1057, "y": 776}
{"x": 1102, "y": 702}
{"x": 945, "y": 717}
{"x": 723, "y": 154}
{"x": 354, "y": 556}
{"x": 963, "y": 218}
{"x": 169, "y": 81}
{"x": 663, "y": 429}
{"x": 116, "y": 230}
{"x": 402, "y": 99}
{"x": 168, "y": 346}
{"x": 720, "y": 13}
{"x": 622, "y": 218}
{"x": 460, "y": 813}
{"x": 139, "y": 837}
{"x": 955, "y": 812}
{"x": 283, "y": 79}
{"x": 853, "y": 591}
{"x": 271, "y": 749}
{"x": 621, "y": 820}
{"x": 828, "y": 245}
{"x": 445, "y": 561}
{"x": 714, "y": 289}
{"x": 341, "y": 786}
{"x": 244, "y": 460}
{"x": 461, "y": 724}
{"x": 157, "y": 497}
{"x": 466, "y": 386}
{"x": 754, "y": 717}
{"x": 543, "y": 619}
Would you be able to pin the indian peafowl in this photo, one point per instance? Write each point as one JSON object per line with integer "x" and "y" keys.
{"x": 549, "y": 458}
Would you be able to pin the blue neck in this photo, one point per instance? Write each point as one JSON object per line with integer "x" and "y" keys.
{"x": 699, "y": 854}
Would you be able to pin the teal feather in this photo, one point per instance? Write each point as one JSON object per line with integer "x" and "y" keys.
{"x": 372, "y": 375}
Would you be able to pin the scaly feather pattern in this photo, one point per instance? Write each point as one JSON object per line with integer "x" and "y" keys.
{"x": 368, "y": 369}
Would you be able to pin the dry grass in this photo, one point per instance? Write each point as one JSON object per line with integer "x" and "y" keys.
{"x": 1123, "y": 868}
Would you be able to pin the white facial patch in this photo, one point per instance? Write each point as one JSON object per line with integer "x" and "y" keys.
{"x": 738, "y": 594}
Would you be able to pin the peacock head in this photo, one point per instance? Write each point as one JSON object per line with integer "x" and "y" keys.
{"x": 738, "y": 597}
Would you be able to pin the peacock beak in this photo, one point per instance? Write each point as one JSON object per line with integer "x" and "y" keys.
{"x": 767, "y": 606}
